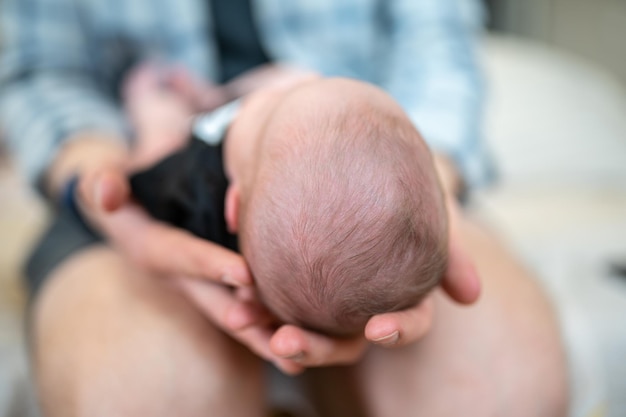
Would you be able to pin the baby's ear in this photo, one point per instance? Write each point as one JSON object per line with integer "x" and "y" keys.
{"x": 231, "y": 208}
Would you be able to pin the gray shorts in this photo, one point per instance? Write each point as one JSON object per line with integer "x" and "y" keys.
{"x": 66, "y": 235}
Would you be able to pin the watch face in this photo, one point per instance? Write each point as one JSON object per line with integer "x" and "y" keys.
{"x": 210, "y": 127}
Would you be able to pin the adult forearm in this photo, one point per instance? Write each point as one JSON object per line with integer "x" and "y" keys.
{"x": 39, "y": 114}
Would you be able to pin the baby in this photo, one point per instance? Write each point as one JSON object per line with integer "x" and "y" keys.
{"x": 332, "y": 194}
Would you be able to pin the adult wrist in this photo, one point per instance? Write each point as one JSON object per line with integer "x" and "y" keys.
{"x": 69, "y": 200}
{"x": 80, "y": 153}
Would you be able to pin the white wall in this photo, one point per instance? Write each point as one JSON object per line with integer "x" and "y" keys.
{"x": 595, "y": 29}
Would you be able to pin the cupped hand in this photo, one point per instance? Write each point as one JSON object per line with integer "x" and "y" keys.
{"x": 159, "y": 101}
{"x": 291, "y": 348}
{"x": 104, "y": 199}
{"x": 239, "y": 315}
{"x": 305, "y": 349}
{"x": 460, "y": 282}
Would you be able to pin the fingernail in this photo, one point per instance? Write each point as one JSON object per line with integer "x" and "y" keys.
{"x": 236, "y": 275}
{"x": 389, "y": 340}
{"x": 230, "y": 280}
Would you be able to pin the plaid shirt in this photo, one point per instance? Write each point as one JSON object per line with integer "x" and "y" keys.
{"x": 61, "y": 61}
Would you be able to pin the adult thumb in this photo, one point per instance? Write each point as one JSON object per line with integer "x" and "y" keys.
{"x": 106, "y": 189}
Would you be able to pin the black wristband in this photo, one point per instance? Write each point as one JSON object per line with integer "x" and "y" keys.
{"x": 68, "y": 200}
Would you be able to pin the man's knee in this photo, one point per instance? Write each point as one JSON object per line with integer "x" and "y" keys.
{"x": 111, "y": 341}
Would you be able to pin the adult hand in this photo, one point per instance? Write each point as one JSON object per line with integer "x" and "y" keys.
{"x": 239, "y": 314}
{"x": 460, "y": 281}
{"x": 160, "y": 102}
{"x": 103, "y": 194}
{"x": 103, "y": 162}
{"x": 291, "y": 348}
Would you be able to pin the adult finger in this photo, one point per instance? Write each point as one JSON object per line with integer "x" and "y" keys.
{"x": 220, "y": 305}
{"x": 105, "y": 189}
{"x": 400, "y": 328}
{"x": 460, "y": 281}
{"x": 170, "y": 251}
{"x": 248, "y": 311}
{"x": 310, "y": 349}
{"x": 216, "y": 303}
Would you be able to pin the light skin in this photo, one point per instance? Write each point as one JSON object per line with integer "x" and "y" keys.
{"x": 130, "y": 304}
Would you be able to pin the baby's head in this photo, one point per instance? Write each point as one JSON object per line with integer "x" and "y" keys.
{"x": 344, "y": 218}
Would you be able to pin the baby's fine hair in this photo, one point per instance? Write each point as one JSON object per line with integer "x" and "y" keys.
{"x": 346, "y": 220}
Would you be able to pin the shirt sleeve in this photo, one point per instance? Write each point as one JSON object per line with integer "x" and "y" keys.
{"x": 435, "y": 75}
{"x": 48, "y": 87}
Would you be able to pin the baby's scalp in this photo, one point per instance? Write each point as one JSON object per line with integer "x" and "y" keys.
{"x": 345, "y": 219}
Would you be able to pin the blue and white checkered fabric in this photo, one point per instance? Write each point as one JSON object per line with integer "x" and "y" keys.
{"x": 61, "y": 61}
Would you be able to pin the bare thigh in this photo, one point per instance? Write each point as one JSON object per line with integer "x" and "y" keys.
{"x": 111, "y": 341}
{"x": 500, "y": 357}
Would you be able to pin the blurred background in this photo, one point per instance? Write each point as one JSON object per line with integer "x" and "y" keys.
{"x": 556, "y": 126}
{"x": 592, "y": 29}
